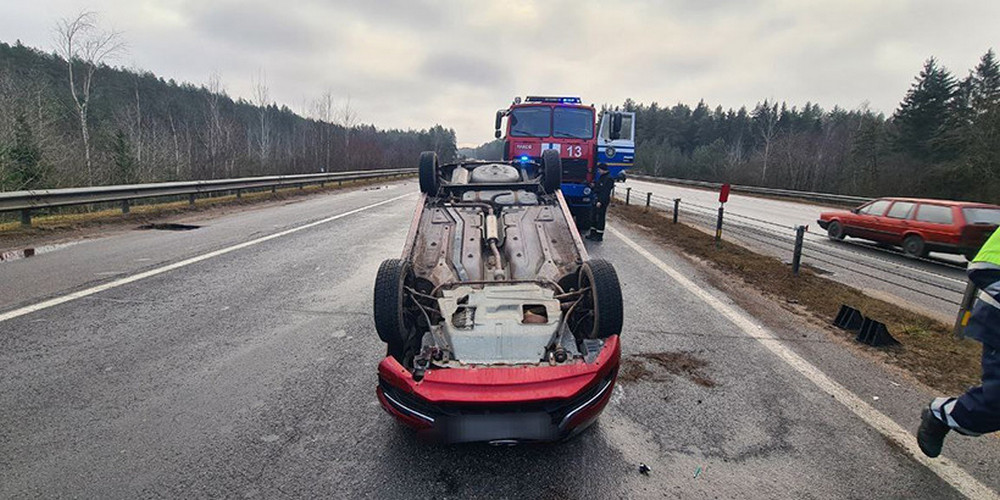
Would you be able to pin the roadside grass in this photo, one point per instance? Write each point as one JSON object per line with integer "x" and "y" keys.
{"x": 54, "y": 224}
{"x": 927, "y": 349}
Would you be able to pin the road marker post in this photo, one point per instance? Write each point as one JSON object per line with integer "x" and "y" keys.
{"x": 677, "y": 208}
{"x": 628, "y": 193}
{"x": 800, "y": 232}
{"x": 649, "y": 197}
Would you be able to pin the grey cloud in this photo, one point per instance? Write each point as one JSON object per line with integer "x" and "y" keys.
{"x": 259, "y": 26}
{"x": 448, "y": 67}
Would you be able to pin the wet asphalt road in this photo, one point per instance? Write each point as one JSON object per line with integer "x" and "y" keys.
{"x": 252, "y": 374}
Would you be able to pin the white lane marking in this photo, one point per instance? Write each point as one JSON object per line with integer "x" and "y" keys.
{"x": 944, "y": 468}
{"x": 177, "y": 265}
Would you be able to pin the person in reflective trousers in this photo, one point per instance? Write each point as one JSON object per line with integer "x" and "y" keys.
{"x": 602, "y": 191}
{"x": 977, "y": 411}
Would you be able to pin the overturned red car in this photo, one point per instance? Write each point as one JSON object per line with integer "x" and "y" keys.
{"x": 499, "y": 326}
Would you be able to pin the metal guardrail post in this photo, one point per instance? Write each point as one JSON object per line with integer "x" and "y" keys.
{"x": 191, "y": 198}
{"x": 800, "y": 232}
{"x": 968, "y": 300}
{"x": 25, "y": 218}
{"x": 125, "y": 206}
{"x": 718, "y": 227}
{"x": 239, "y": 194}
{"x": 628, "y": 193}
{"x": 649, "y": 196}
{"x": 677, "y": 208}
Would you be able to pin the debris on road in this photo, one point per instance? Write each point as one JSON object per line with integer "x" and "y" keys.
{"x": 697, "y": 472}
{"x": 644, "y": 469}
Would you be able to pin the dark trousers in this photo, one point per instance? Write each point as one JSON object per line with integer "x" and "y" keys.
{"x": 978, "y": 410}
{"x": 597, "y": 218}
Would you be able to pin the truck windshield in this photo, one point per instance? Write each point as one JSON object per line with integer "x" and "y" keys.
{"x": 531, "y": 121}
{"x": 982, "y": 216}
{"x": 576, "y": 123}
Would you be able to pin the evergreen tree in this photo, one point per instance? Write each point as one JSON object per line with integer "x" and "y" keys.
{"x": 25, "y": 157}
{"x": 924, "y": 114}
{"x": 124, "y": 159}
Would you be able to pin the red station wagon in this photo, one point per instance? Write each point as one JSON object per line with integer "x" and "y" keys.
{"x": 918, "y": 226}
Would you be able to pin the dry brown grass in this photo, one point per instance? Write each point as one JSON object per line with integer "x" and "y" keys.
{"x": 927, "y": 349}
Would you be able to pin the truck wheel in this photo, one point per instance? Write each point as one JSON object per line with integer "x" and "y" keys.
{"x": 913, "y": 246}
{"x": 429, "y": 172}
{"x": 551, "y": 171}
{"x": 835, "y": 231}
{"x": 599, "y": 313}
{"x": 583, "y": 217}
{"x": 392, "y": 321}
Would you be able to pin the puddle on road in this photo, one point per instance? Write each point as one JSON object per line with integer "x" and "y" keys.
{"x": 169, "y": 226}
{"x": 655, "y": 366}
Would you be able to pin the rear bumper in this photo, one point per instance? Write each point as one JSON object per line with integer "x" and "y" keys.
{"x": 509, "y": 404}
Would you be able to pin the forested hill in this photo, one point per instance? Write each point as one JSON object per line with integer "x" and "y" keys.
{"x": 942, "y": 141}
{"x": 142, "y": 128}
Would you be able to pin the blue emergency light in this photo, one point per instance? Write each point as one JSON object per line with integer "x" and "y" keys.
{"x": 524, "y": 158}
{"x": 558, "y": 100}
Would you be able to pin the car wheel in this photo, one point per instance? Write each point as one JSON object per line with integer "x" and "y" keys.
{"x": 835, "y": 231}
{"x": 913, "y": 246}
{"x": 599, "y": 313}
{"x": 428, "y": 172}
{"x": 551, "y": 171}
{"x": 392, "y": 321}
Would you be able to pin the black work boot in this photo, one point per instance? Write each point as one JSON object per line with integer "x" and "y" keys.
{"x": 595, "y": 235}
{"x": 930, "y": 435}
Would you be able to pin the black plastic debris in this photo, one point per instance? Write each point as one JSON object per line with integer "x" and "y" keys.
{"x": 875, "y": 334}
{"x": 644, "y": 469}
{"x": 849, "y": 318}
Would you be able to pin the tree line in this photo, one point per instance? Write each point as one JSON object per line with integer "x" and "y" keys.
{"x": 68, "y": 118}
{"x": 942, "y": 141}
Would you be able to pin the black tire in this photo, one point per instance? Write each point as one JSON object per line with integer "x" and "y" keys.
{"x": 429, "y": 172}
{"x": 601, "y": 314}
{"x": 392, "y": 322}
{"x": 913, "y": 246}
{"x": 835, "y": 231}
{"x": 551, "y": 171}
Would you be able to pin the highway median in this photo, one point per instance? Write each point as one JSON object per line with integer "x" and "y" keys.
{"x": 927, "y": 349}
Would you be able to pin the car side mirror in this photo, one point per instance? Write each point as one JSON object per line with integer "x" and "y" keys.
{"x": 496, "y": 125}
{"x": 616, "y": 126}
{"x": 855, "y": 210}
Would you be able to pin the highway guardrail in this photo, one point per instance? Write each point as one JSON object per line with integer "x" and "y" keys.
{"x": 784, "y": 193}
{"x": 27, "y": 201}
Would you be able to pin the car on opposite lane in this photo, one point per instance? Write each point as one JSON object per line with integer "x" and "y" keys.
{"x": 917, "y": 225}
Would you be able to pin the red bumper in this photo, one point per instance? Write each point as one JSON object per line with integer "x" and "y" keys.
{"x": 477, "y": 404}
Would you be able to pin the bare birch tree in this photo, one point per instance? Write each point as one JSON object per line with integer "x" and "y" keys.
{"x": 80, "y": 41}
{"x": 348, "y": 118}
{"x": 262, "y": 99}
{"x": 324, "y": 113}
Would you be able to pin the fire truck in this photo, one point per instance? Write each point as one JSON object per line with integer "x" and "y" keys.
{"x": 567, "y": 125}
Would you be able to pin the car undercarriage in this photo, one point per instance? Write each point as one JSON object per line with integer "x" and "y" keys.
{"x": 494, "y": 275}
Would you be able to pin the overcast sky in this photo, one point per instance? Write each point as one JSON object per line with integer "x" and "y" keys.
{"x": 414, "y": 63}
